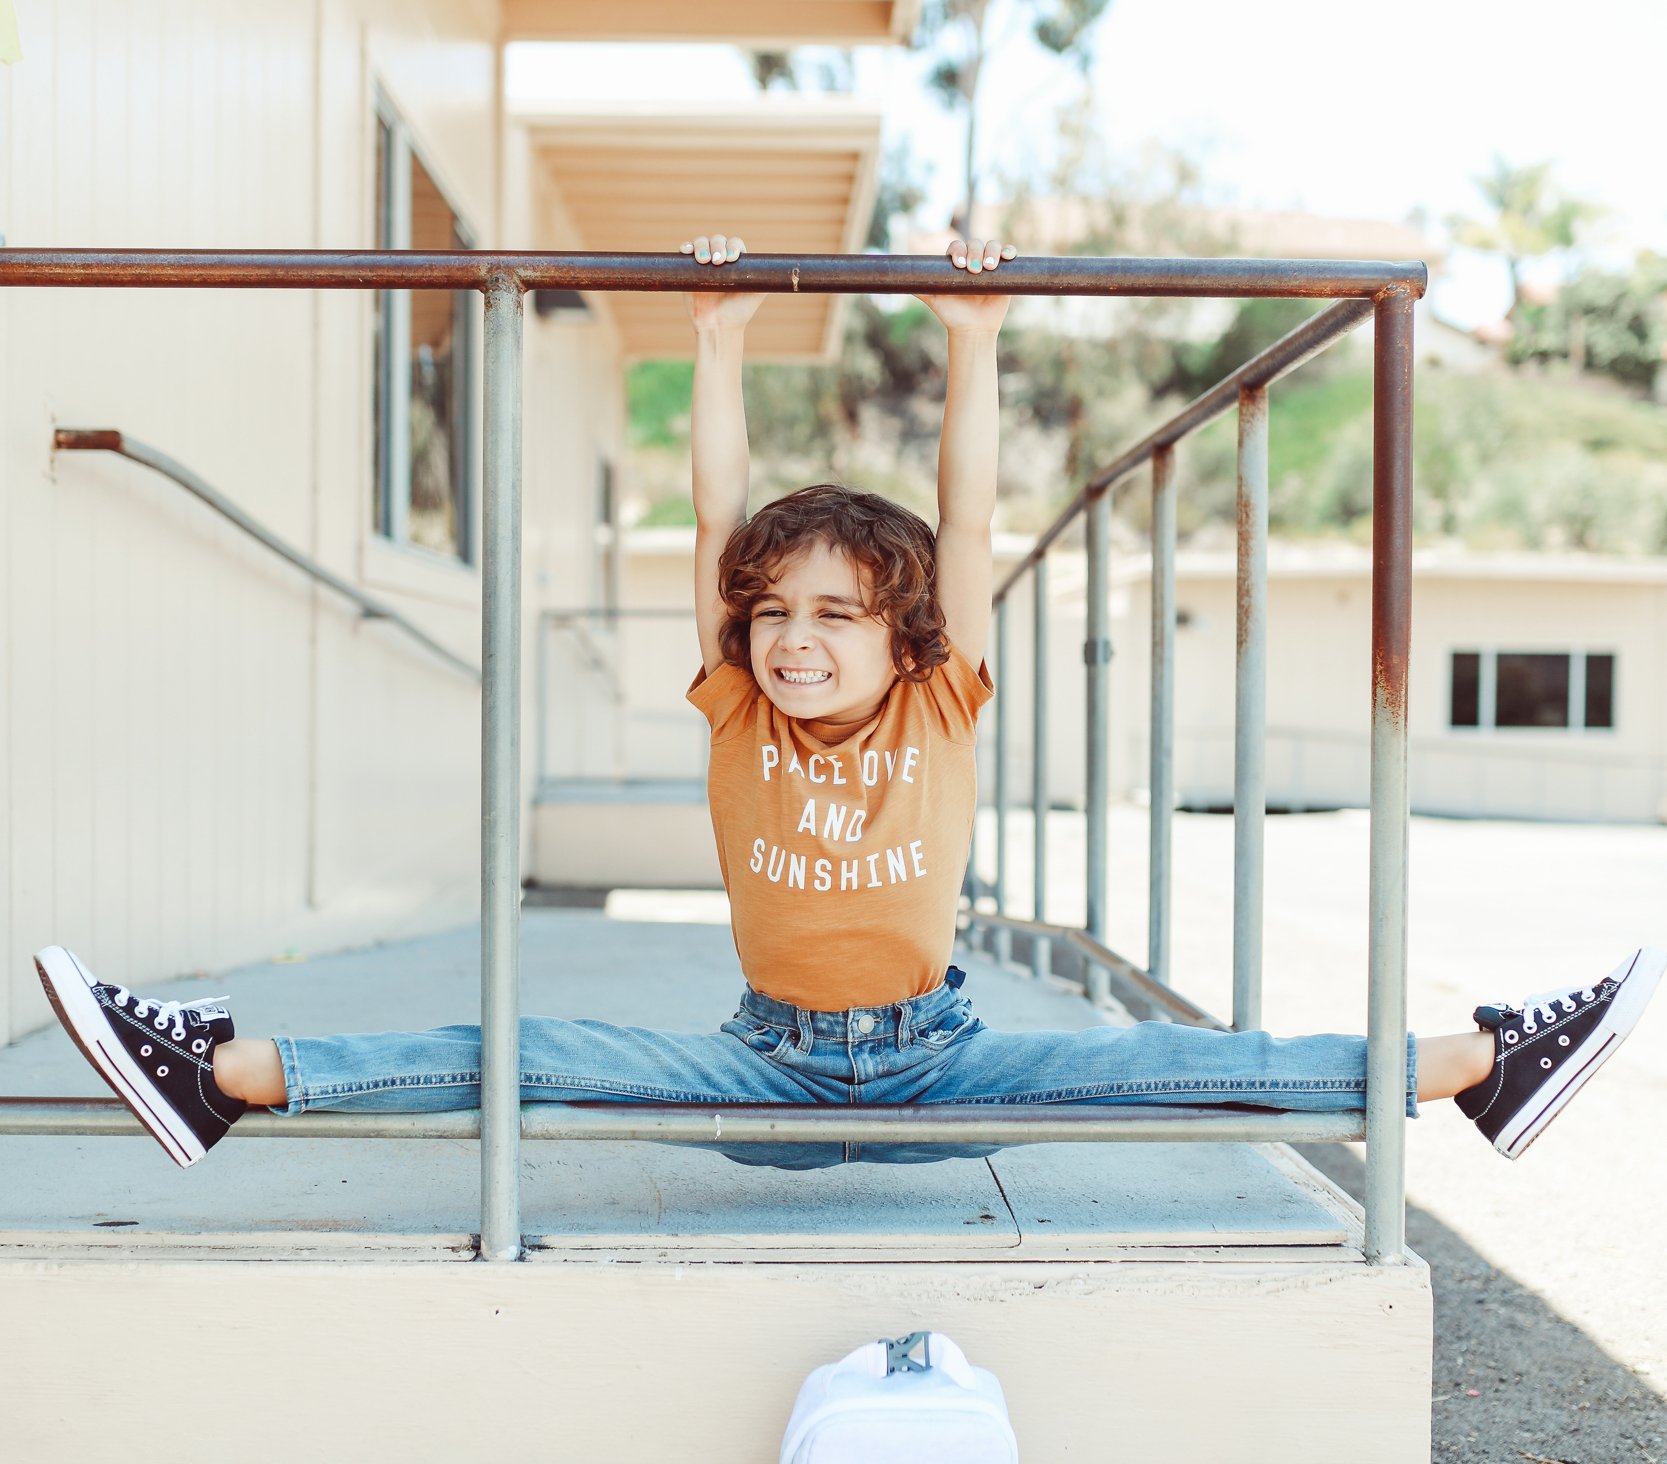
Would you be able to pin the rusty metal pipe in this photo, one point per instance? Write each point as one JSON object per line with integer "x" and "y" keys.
{"x": 835, "y": 274}
{"x": 1386, "y": 996}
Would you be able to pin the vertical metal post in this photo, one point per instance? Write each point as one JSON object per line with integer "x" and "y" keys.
{"x": 1386, "y": 1001}
{"x": 1004, "y": 937}
{"x": 1161, "y": 782}
{"x": 1096, "y": 655}
{"x": 1250, "y": 709}
{"x": 500, "y": 791}
{"x": 1041, "y": 955}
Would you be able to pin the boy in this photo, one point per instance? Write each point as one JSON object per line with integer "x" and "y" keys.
{"x": 842, "y": 644}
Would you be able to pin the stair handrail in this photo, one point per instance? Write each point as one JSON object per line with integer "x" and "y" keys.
{"x": 110, "y": 439}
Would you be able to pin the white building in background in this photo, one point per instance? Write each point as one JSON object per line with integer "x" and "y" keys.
{"x": 206, "y": 759}
{"x": 1538, "y": 684}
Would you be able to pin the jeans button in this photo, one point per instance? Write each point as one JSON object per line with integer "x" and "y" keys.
{"x": 865, "y": 1024}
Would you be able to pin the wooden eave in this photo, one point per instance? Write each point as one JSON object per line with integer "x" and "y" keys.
{"x": 788, "y": 175}
{"x": 765, "y": 24}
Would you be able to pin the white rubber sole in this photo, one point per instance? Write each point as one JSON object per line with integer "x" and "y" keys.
{"x": 69, "y": 987}
{"x": 1639, "y": 978}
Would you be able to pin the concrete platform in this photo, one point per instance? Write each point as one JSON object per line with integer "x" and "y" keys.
{"x": 313, "y": 1196}
{"x": 671, "y": 1301}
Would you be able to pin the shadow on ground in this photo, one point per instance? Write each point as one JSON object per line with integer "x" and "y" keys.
{"x": 1546, "y": 1393}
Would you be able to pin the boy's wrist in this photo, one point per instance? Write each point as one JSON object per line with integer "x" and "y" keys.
{"x": 720, "y": 330}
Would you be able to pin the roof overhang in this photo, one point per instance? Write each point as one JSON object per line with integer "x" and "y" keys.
{"x": 762, "y": 24}
{"x": 788, "y": 175}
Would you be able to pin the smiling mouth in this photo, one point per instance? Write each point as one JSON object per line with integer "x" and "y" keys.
{"x": 803, "y": 678}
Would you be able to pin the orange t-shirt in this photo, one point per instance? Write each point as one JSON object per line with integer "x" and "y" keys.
{"x": 843, "y": 860}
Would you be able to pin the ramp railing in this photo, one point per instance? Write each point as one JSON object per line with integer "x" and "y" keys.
{"x": 1386, "y": 292}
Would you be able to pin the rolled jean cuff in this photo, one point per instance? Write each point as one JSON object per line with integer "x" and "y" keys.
{"x": 1412, "y": 1076}
{"x": 292, "y": 1079}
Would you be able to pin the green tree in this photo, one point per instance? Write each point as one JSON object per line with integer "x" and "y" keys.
{"x": 1530, "y": 219}
{"x": 1605, "y": 321}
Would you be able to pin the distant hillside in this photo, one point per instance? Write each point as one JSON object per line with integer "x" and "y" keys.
{"x": 1503, "y": 459}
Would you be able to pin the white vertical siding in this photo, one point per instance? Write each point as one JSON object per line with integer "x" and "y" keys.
{"x": 203, "y": 759}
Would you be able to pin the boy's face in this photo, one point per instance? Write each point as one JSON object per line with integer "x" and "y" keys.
{"x": 816, "y": 650}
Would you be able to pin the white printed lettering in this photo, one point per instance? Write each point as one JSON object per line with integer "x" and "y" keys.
{"x": 894, "y": 865}
{"x": 815, "y": 758}
{"x": 795, "y": 871}
{"x": 794, "y": 765}
{"x": 807, "y": 819}
{"x": 874, "y": 871}
{"x": 911, "y": 755}
{"x": 870, "y": 768}
{"x": 824, "y": 874}
{"x": 778, "y": 862}
{"x": 771, "y": 757}
{"x": 839, "y": 776}
{"x": 920, "y": 861}
{"x": 835, "y": 820}
{"x": 756, "y": 863}
{"x": 847, "y": 874}
{"x": 891, "y": 764}
{"x": 853, "y": 835}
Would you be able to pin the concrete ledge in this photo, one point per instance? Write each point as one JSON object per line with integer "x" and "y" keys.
{"x": 626, "y": 1360}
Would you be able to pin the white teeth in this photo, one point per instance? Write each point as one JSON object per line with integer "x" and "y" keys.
{"x": 803, "y": 678}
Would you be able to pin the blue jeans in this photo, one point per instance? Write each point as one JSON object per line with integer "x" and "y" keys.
{"x": 928, "y": 1049}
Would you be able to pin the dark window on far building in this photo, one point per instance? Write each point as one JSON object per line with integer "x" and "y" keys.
{"x": 1573, "y": 690}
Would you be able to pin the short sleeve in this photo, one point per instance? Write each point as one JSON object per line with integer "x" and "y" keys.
{"x": 726, "y": 698}
{"x": 957, "y": 694}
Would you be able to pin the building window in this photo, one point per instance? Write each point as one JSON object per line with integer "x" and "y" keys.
{"x": 1571, "y": 690}
{"x": 424, "y": 399}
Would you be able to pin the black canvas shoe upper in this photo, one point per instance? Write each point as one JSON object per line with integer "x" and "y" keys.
{"x": 1531, "y": 1044}
{"x": 173, "y": 1044}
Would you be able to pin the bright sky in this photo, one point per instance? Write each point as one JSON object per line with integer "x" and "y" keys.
{"x": 1332, "y": 106}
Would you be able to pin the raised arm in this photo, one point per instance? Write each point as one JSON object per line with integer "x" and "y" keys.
{"x": 967, "y": 450}
{"x": 717, "y": 433}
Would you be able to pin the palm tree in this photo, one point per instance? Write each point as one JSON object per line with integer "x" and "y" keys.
{"x": 1061, "y": 26}
{"x": 1531, "y": 218}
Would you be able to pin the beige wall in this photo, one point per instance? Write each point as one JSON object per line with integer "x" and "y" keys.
{"x": 203, "y": 761}
{"x": 1319, "y": 687}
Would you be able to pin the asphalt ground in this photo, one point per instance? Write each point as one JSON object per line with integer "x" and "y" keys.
{"x": 1550, "y": 1273}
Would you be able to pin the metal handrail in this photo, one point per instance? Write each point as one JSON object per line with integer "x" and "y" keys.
{"x": 108, "y": 439}
{"x": 1247, "y": 389}
{"x": 503, "y": 278}
{"x": 783, "y": 274}
{"x": 745, "y": 1123}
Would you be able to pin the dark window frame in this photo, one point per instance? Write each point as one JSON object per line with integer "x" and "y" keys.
{"x": 396, "y": 153}
{"x": 1473, "y": 689}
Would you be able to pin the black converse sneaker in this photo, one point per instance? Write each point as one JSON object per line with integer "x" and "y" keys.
{"x": 1547, "y": 1048}
{"x": 158, "y": 1056}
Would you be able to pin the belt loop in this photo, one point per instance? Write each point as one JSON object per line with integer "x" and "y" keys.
{"x": 954, "y": 978}
{"x": 807, "y": 1036}
{"x": 905, "y": 1025}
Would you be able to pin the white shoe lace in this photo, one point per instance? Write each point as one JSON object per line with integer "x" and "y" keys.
{"x": 1565, "y": 1002}
{"x": 167, "y": 1012}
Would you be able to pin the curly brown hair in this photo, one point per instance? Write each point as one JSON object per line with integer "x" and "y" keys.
{"x": 895, "y": 552}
